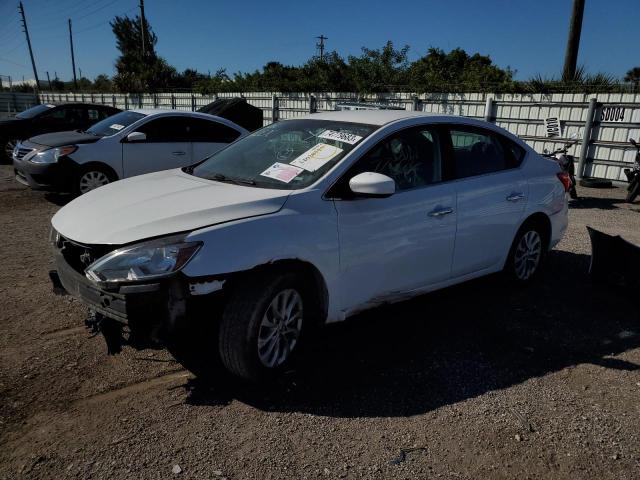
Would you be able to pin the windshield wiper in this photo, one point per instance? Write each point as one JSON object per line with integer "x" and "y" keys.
{"x": 219, "y": 177}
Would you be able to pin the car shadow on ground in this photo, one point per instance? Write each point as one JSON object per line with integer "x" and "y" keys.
{"x": 59, "y": 199}
{"x": 451, "y": 345}
{"x": 584, "y": 202}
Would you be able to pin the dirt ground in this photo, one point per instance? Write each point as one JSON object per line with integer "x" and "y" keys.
{"x": 478, "y": 381}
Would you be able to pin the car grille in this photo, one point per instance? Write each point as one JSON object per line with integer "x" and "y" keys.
{"x": 78, "y": 256}
{"x": 20, "y": 152}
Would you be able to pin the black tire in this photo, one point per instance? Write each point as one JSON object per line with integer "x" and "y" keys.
{"x": 6, "y": 146}
{"x": 512, "y": 268}
{"x": 96, "y": 171}
{"x": 634, "y": 190}
{"x": 241, "y": 321}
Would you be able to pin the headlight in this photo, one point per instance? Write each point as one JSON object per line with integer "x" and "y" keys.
{"x": 53, "y": 154}
{"x": 157, "y": 258}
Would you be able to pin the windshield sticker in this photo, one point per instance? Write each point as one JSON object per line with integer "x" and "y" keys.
{"x": 117, "y": 126}
{"x": 345, "y": 137}
{"x": 282, "y": 171}
{"x": 316, "y": 157}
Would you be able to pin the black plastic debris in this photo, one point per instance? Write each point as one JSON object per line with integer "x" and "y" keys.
{"x": 614, "y": 260}
{"x": 403, "y": 454}
{"x": 237, "y": 110}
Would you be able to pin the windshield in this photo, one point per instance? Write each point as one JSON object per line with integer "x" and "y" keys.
{"x": 113, "y": 124}
{"x": 33, "y": 111}
{"x": 287, "y": 155}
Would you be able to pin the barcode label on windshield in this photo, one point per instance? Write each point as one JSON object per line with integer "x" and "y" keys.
{"x": 345, "y": 137}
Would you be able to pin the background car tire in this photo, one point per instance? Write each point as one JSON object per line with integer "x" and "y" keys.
{"x": 7, "y": 149}
{"x": 633, "y": 192}
{"x": 528, "y": 234}
{"x": 243, "y": 316}
{"x": 92, "y": 176}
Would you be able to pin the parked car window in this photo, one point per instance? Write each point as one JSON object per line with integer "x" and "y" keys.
{"x": 211, "y": 131}
{"x": 113, "y": 124}
{"x": 411, "y": 157}
{"x": 34, "y": 111}
{"x": 166, "y": 129}
{"x": 96, "y": 114}
{"x": 56, "y": 113}
{"x": 477, "y": 152}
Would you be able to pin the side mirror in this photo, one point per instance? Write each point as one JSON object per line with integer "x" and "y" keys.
{"x": 370, "y": 184}
{"x": 136, "y": 137}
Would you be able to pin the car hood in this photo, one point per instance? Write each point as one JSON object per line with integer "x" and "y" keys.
{"x": 159, "y": 204}
{"x": 60, "y": 139}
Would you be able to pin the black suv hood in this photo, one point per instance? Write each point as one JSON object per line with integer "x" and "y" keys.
{"x": 59, "y": 139}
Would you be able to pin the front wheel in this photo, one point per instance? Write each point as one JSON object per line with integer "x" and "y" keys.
{"x": 527, "y": 253}
{"x": 262, "y": 326}
{"x": 90, "y": 178}
{"x": 634, "y": 190}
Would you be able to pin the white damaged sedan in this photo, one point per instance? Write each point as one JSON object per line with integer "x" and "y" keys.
{"x": 304, "y": 222}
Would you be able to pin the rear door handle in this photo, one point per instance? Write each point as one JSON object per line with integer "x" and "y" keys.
{"x": 441, "y": 212}
{"x": 514, "y": 197}
{"x": 179, "y": 153}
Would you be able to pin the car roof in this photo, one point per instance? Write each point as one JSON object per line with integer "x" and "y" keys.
{"x": 371, "y": 117}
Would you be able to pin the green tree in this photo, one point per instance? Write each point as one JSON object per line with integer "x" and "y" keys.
{"x": 136, "y": 72}
{"x": 633, "y": 76}
{"x": 438, "y": 71}
{"x": 379, "y": 70}
{"x": 102, "y": 83}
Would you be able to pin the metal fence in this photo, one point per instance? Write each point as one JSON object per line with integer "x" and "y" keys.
{"x": 13, "y": 102}
{"x": 605, "y": 127}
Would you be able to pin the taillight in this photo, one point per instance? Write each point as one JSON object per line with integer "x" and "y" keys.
{"x": 565, "y": 179}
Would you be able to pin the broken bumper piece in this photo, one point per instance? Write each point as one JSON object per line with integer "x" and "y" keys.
{"x": 140, "y": 315}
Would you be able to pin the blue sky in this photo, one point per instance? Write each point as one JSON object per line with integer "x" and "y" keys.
{"x": 527, "y": 35}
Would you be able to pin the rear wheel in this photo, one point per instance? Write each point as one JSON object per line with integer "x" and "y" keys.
{"x": 262, "y": 326}
{"x": 527, "y": 253}
{"x": 634, "y": 190}
{"x": 92, "y": 177}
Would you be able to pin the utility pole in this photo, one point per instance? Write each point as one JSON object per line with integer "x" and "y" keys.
{"x": 26, "y": 32}
{"x": 142, "y": 26}
{"x": 573, "y": 41}
{"x": 320, "y": 46}
{"x": 73, "y": 58}
{"x": 49, "y": 81}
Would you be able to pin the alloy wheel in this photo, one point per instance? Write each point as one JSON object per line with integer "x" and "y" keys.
{"x": 92, "y": 180}
{"x": 280, "y": 328}
{"x": 527, "y": 255}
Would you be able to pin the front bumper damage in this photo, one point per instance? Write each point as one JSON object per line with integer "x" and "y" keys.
{"x": 141, "y": 315}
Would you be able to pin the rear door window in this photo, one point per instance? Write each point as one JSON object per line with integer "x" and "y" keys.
{"x": 478, "y": 152}
{"x": 211, "y": 131}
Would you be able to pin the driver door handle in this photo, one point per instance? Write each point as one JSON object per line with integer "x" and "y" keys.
{"x": 179, "y": 153}
{"x": 514, "y": 197}
{"x": 440, "y": 212}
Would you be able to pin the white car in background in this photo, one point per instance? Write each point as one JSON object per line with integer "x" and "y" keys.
{"x": 304, "y": 222}
{"x": 124, "y": 145}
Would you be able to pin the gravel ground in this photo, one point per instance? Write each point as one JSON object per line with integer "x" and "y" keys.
{"x": 476, "y": 381}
